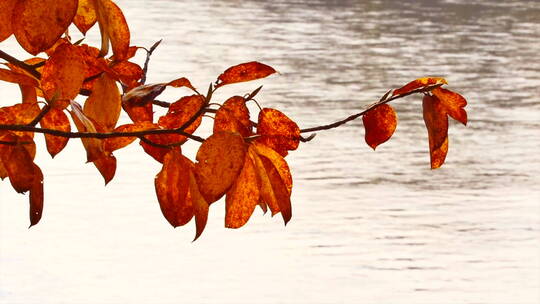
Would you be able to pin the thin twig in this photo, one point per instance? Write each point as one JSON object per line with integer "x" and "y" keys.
{"x": 160, "y": 103}
{"x": 148, "y": 54}
{"x": 370, "y": 107}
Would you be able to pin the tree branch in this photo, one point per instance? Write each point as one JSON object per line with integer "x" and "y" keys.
{"x": 41, "y": 114}
{"x": 30, "y": 69}
{"x": 24, "y": 128}
{"x": 384, "y": 99}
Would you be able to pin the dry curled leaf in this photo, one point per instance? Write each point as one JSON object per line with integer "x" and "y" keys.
{"x": 244, "y": 72}
{"x": 137, "y": 102}
{"x": 380, "y": 123}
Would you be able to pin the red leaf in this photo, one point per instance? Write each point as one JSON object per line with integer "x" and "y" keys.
{"x": 172, "y": 184}
{"x": 380, "y": 123}
{"x": 6, "y": 12}
{"x": 453, "y": 104}
{"x": 36, "y": 197}
{"x": 86, "y": 16}
{"x": 38, "y": 24}
{"x": 220, "y": 159}
{"x": 113, "y": 28}
{"x": 55, "y": 119}
{"x": 233, "y": 116}
{"x": 104, "y": 104}
{"x": 437, "y": 126}
{"x": 63, "y": 74}
{"x": 181, "y": 82}
{"x": 200, "y": 206}
{"x": 17, "y": 162}
{"x": 244, "y": 72}
{"x": 243, "y": 196}
{"x": 419, "y": 83}
{"x": 277, "y": 131}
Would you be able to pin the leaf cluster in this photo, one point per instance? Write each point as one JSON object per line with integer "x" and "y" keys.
{"x": 243, "y": 159}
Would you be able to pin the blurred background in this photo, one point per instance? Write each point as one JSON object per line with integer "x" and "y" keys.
{"x": 367, "y": 227}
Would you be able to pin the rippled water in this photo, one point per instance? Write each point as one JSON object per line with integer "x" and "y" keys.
{"x": 368, "y": 227}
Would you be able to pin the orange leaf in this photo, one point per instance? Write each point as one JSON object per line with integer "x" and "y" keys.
{"x": 19, "y": 114}
{"x": 244, "y": 72}
{"x": 220, "y": 159}
{"x": 15, "y": 77}
{"x": 17, "y": 162}
{"x": 3, "y": 171}
{"x": 380, "y": 123}
{"x": 158, "y": 153}
{"x": 114, "y": 28}
{"x": 37, "y": 24}
{"x": 453, "y": 104}
{"x": 419, "y": 83}
{"x": 200, "y": 206}
{"x": 181, "y": 82}
{"x": 104, "y": 104}
{"x": 106, "y": 165}
{"x": 282, "y": 195}
{"x": 233, "y": 116}
{"x": 243, "y": 196}
{"x": 55, "y": 119}
{"x": 36, "y": 197}
{"x": 437, "y": 126}
{"x": 115, "y": 143}
{"x": 6, "y": 11}
{"x": 63, "y": 74}
{"x": 267, "y": 191}
{"x": 278, "y": 161}
{"x": 277, "y": 131}
{"x": 181, "y": 112}
{"x": 86, "y": 16}
{"x": 128, "y": 73}
{"x": 172, "y": 184}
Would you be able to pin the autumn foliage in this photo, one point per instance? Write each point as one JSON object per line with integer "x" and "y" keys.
{"x": 242, "y": 160}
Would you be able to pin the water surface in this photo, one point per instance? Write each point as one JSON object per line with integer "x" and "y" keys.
{"x": 368, "y": 227}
